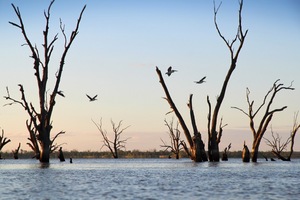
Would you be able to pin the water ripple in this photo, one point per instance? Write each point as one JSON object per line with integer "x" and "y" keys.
{"x": 149, "y": 179}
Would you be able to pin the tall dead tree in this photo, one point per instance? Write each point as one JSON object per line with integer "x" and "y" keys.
{"x": 214, "y": 135}
{"x": 196, "y": 150}
{"x": 40, "y": 124}
{"x": 213, "y": 146}
{"x": 258, "y": 132}
{"x": 116, "y": 144}
{"x": 278, "y": 146}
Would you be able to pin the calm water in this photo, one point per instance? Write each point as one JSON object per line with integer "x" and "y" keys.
{"x": 149, "y": 179}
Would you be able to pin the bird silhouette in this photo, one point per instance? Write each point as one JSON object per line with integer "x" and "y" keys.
{"x": 61, "y": 93}
{"x": 92, "y": 98}
{"x": 201, "y": 80}
{"x": 170, "y": 71}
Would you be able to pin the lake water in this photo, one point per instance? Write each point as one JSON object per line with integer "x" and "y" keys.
{"x": 149, "y": 179}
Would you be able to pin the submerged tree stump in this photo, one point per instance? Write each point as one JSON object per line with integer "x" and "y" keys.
{"x": 245, "y": 154}
{"x": 16, "y": 152}
{"x": 225, "y": 155}
{"x": 61, "y": 155}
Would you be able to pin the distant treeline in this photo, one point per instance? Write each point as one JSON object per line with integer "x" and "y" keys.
{"x": 131, "y": 154}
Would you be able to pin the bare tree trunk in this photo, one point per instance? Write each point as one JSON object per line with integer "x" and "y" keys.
{"x": 198, "y": 145}
{"x": 44, "y": 140}
{"x": 254, "y": 153}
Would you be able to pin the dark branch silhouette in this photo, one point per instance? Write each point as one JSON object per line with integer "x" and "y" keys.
{"x": 3, "y": 142}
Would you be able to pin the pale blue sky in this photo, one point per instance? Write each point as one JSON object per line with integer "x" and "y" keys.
{"x": 115, "y": 54}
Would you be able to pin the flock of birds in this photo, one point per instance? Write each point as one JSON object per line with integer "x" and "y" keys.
{"x": 171, "y": 71}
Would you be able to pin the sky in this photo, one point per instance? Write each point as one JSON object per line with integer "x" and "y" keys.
{"x": 119, "y": 45}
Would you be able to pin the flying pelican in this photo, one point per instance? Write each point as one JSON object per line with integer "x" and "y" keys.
{"x": 201, "y": 80}
{"x": 92, "y": 99}
{"x": 170, "y": 71}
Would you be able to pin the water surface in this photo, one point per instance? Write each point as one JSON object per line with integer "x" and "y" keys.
{"x": 149, "y": 179}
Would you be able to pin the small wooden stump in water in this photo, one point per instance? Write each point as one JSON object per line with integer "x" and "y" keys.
{"x": 61, "y": 155}
{"x": 245, "y": 153}
{"x": 16, "y": 152}
{"x": 224, "y": 155}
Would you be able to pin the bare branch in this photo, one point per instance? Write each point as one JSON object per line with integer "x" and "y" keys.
{"x": 3, "y": 140}
{"x": 53, "y": 146}
{"x": 240, "y": 110}
{"x": 192, "y": 115}
{"x": 220, "y": 130}
{"x": 62, "y": 28}
{"x": 62, "y": 62}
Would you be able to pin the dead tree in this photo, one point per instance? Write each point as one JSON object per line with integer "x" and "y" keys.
{"x": 3, "y": 142}
{"x": 40, "y": 124}
{"x": 259, "y": 132}
{"x": 176, "y": 143}
{"x": 214, "y": 136}
{"x": 117, "y": 143}
{"x": 278, "y": 146}
{"x": 196, "y": 150}
{"x": 16, "y": 152}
